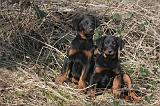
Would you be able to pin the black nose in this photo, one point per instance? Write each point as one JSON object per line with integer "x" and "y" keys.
{"x": 90, "y": 29}
{"x": 110, "y": 50}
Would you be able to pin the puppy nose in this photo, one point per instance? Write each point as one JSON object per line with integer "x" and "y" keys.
{"x": 110, "y": 50}
{"x": 90, "y": 29}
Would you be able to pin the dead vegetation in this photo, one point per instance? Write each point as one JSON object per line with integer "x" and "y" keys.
{"x": 34, "y": 37}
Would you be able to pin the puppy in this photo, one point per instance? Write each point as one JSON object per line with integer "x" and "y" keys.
{"x": 79, "y": 63}
{"x": 107, "y": 71}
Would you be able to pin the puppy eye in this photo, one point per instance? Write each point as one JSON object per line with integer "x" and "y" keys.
{"x": 106, "y": 43}
{"x": 114, "y": 43}
{"x": 87, "y": 22}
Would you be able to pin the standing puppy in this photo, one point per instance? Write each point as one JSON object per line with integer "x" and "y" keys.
{"x": 108, "y": 73}
{"x": 79, "y": 62}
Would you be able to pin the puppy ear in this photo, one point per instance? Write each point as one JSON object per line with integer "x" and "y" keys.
{"x": 99, "y": 42}
{"x": 97, "y": 22}
{"x": 120, "y": 43}
{"x": 76, "y": 22}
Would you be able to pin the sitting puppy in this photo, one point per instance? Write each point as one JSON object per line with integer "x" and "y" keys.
{"x": 107, "y": 72}
{"x": 78, "y": 65}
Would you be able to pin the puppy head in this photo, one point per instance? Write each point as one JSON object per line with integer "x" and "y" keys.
{"x": 85, "y": 24}
{"x": 110, "y": 45}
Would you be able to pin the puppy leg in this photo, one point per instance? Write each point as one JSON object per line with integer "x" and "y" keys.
{"x": 82, "y": 83}
{"x": 84, "y": 74}
{"x": 116, "y": 87}
{"x": 64, "y": 72}
{"x": 89, "y": 64}
{"x": 76, "y": 70}
{"x": 66, "y": 66}
{"x": 74, "y": 80}
{"x": 95, "y": 78}
{"x": 128, "y": 82}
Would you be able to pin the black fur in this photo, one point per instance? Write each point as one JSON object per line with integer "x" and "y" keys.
{"x": 107, "y": 59}
{"x": 78, "y": 60}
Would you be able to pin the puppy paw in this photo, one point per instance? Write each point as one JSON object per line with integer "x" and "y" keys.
{"x": 134, "y": 97}
{"x": 81, "y": 86}
{"x": 60, "y": 80}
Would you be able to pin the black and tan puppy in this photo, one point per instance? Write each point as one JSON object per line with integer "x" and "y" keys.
{"x": 107, "y": 72}
{"x": 78, "y": 65}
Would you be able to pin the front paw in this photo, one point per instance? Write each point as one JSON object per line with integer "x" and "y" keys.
{"x": 82, "y": 86}
{"x": 133, "y": 96}
{"x": 93, "y": 94}
{"x": 60, "y": 80}
{"x": 116, "y": 93}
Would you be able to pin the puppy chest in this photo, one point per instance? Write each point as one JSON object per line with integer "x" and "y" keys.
{"x": 107, "y": 65}
{"x": 82, "y": 45}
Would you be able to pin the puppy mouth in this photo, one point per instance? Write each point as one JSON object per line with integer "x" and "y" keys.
{"x": 89, "y": 35}
{"x": 109, "y": 53}
{"x": 89, "y": 31}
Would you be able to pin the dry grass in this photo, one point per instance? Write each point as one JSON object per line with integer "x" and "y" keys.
{"x": 32, "y": 49}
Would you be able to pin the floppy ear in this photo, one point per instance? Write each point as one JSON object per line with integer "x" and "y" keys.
{"x": 99, "y": 42}
{"x": 76, "y": 22}
{"x": 120, "y": 43}
{"x": 110, "y": 31}
{"x": 97, "y": 22}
